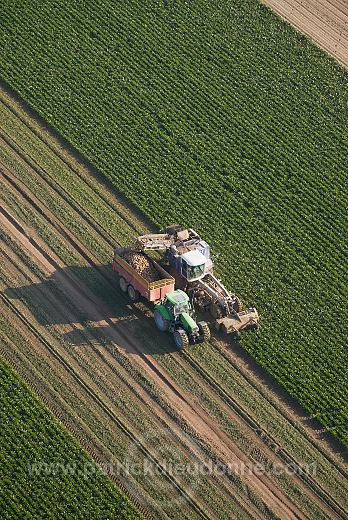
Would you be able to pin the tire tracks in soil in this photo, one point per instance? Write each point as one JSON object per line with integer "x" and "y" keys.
{"x": 327, "y": 500}
{"x": 146, "y": 399}
{"x": 81, "y": 251}
{"x": 103, "y": 406}
{"x": 325, "y": 22}
{"x": 202, "y": 423}
{"x": 66, "y": 415}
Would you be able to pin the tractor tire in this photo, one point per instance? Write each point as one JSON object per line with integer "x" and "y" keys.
{"x": 204, "y": 330}
{"x": 181, "y": 339}
{"x": 161, "y": 323}
{"x": 133, "y": 293}
{"x": 215, "y": 310}
{"x": 123, "y": 284}
{"x": 237, "y": 304}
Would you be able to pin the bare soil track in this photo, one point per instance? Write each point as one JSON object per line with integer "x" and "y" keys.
{"x": 110, "y": 377}
{"x": 180, "y": 402}
{"x": 324, "y": 21}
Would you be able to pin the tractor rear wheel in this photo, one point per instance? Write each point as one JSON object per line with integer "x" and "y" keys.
{"x": 133, "y": 293}
{"x": 204, "y": 330}
{"x": 123, "y": 284}
{"x": 181, "y": 339}
{"x": 161, "y": 323}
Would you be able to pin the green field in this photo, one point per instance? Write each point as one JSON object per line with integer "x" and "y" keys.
{"x": 45, "y": 474}
{"x": 220, "y": 116}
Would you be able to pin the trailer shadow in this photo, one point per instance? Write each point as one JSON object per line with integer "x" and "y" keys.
{"x": 82, "y": 297}
{"x": 66, "y": 296}
{"x": 88, "y": 299}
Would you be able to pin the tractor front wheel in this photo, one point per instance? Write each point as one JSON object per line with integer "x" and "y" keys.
{"x": 161, "y": 323}
{"x": 181, "y": 339}
{"x": 133, "y": 293}
{"x": 204, "y": 330}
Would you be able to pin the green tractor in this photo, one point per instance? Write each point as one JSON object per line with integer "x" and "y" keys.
{"x": 176, "y": 315}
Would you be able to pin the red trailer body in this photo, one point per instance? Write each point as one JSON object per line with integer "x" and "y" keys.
{"x": 151, "y": 291}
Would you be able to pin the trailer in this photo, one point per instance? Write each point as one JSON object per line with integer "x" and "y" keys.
{"x": 136, "y": 285}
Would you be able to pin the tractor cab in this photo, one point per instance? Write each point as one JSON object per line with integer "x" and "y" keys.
{"x": 177, "y": 302}
{"x": 190, "y": 259}
{"x": 193, "y": 265}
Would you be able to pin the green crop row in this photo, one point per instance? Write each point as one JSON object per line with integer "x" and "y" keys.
{"x": 45, "y": 474}
{"x": 220, "y": 116}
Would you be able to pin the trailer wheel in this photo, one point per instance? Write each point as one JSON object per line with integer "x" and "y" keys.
{"x": 133, "y": 293}
{"x": 123, "y": 284}
{"x": 204, "y": 330}
{"x": 161, "y": 323}
{"x": 181, "y": 339}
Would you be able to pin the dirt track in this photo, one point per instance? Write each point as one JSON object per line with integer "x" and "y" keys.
{"x": 87, "y": 339}
{"x": 324, "y": 21}
{"x": 180, "y": 402}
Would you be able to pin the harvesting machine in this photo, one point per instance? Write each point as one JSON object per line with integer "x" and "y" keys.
{"x": 186, "y": 265}
{"x": 190, "y": 263}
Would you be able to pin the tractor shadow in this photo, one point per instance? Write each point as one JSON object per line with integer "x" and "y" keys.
{"x": 98, "y": 315}
{"x": 85, "y": 298}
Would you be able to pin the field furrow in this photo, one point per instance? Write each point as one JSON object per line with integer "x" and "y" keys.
{"x": 113, "y": 347}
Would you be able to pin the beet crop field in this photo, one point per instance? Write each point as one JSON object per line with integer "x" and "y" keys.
{"x": 222, "y": 117}
{"x": 45, "y": 470}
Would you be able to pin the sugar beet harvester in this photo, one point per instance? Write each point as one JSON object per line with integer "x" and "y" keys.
{"x": 190, "y": 285}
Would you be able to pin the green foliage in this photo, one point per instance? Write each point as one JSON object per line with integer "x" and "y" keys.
{"x": 44, "y": 473}
{"x": 217, "y": 115}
